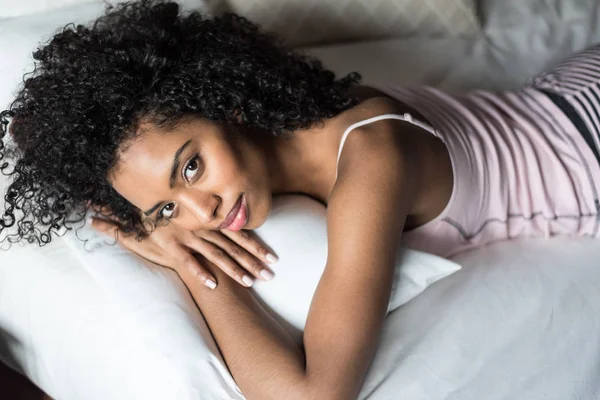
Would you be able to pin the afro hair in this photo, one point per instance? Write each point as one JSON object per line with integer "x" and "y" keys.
{"x": 143, "y": 61}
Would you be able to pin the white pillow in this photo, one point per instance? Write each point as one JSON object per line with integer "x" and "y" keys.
{"x": 87, "y": 320}
{"x": 295, "y": 230}
{"x": 167, "y": 321}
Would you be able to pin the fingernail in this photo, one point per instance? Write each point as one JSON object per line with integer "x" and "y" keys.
{"x": 210, "y": 283}
{"x": 272, "y": 258}
{"x": 247, "y": 280}
{"x": 265, "y": 273}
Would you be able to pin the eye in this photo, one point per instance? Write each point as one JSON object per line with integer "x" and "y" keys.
{"x": 166, "y": 212}
{"x": 190, "y": 171}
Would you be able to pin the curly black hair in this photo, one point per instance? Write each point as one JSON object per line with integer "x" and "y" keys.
{"x": 144, "y": 61}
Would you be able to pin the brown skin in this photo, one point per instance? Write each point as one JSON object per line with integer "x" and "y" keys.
{"x": 391, "y": 176}
{"x": 260, "y": 167}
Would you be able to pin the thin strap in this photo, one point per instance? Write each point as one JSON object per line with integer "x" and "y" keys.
{"x": 405, "y": 117}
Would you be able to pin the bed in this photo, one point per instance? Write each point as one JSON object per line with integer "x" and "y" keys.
{"x": 519, "y": 320}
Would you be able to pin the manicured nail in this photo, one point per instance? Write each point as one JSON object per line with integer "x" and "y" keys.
{"x": 247, "y": 280}
{"x": 272, "y": 258}
{"x": 268, "y": 275}
{"x": 210, "y": 283}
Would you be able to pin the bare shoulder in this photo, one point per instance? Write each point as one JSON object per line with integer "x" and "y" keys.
{"x": 386, "y": 137}
{"x": 369, "y": 94}
{"x": 373, "y": 103}
{"x": 421, "y": 153}
{"x": 362, "y": 92}
{"x": 391, "y": 147}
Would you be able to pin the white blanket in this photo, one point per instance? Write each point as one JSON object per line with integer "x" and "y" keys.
{"x": 521, "y": 320}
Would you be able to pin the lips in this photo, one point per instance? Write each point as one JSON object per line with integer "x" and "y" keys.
{"x": 237, "y": 217}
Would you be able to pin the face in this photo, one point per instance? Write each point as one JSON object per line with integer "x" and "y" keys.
{"x": 199, "y": 175}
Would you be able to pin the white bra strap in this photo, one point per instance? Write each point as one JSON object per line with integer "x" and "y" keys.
{"x": 405, "y": 117}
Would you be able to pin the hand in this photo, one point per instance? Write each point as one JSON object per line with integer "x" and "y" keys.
{"x": 238, "y": 254}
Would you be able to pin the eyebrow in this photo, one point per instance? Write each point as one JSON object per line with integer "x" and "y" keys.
{"x": 174, "y": 169}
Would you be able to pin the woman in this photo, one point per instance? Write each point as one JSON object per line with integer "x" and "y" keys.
{"x": 180, "y": 129}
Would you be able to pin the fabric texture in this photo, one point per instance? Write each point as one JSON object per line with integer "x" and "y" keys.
{"x": 11, "y": 9}
{"x": 521, "y": 166}
{"x": 576, "y": 81}
{"x": 519, "y": 321}
{"x": 304, "y": 22}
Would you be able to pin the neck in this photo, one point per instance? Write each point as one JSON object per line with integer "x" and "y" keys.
{"x": 295, "y": 163}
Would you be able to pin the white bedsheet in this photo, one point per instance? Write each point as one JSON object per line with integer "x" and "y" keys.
{"x": 521, "y": 320}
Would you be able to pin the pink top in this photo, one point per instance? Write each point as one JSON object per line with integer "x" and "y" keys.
{"x": 520, "y": 168}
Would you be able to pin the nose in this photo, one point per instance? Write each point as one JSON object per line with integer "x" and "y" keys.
{"x": 202, "y": 207}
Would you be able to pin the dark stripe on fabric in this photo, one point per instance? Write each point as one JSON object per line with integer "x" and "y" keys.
{"x": 590, "y": 110}
{"x": 572, "y": 114}
{"x": 577, "y": 98}
{"x": 543, "y": 111}
{"x": 594, "y": 105}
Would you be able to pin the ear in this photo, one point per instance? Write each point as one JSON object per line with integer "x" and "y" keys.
{"x": 11, "y": 128}
{"x": 238, "y": 115}
{"x": 12, "y": 124}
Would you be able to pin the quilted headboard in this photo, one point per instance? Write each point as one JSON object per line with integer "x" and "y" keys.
{"x": 310, "y": 22}
{"x": 314, "y": 22}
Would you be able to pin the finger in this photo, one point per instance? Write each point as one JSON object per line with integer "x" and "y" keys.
{"x": 191, "y": 267}
{"x": 239, "y": 254}
{"x": 252, "y": 243}
{"x": 221, "y": 259}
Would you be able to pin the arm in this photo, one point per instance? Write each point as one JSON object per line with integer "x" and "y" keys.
{"x": 367, "y": 208}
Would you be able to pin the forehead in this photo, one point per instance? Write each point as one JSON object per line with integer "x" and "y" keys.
{"x": 151, "y": 142}
{"x": 151, "y": 146}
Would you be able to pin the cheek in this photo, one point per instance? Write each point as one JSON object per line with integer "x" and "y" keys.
{"x": 188, "y": 224}
{"x": 240, "y": 163}
{"x": 261, "y": 194}
{"x": 260, "y": 207}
